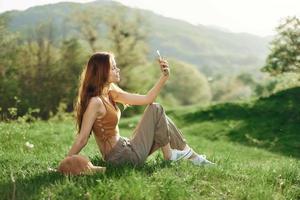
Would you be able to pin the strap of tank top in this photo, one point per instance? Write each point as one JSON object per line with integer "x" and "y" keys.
{"x": 103, "y": 101}
{"x": 110, "y": 104}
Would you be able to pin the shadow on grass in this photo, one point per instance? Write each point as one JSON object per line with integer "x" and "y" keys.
{"x": 31, "y": 186}
{"x": 113, "y": 171}
{"x": 27, "y": 187}
{"x": 271, "y": 123}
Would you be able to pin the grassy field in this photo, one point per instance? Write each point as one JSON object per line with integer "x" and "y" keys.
{"x": 255, "y": 144}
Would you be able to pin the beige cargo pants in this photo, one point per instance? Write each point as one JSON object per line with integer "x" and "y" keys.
{"x": 154, "y": 130}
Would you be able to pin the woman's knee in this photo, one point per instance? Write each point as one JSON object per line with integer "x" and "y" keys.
{"x": 155, "y": 109}
{"x": 155, "y": 106}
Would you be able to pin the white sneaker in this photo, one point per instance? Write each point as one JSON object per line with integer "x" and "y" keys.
{"x": 178, "y": 154}
{"x": 201, "y": 160}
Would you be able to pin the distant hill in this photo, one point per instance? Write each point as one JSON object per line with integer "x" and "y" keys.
{"x": 210, "y": 49}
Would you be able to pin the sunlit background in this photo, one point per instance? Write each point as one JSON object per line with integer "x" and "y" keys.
{"x": 233, "y": 92}
{"x": 217, "y": 50}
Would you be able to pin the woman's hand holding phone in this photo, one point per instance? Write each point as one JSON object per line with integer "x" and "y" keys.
{"x": 164, "y": 66}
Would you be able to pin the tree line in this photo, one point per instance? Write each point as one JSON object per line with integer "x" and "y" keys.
{"x": 39, "y": 74}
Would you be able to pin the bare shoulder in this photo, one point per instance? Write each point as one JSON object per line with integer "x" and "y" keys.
{"x": 97, "y": 106}
{"x": 113, "y": 93}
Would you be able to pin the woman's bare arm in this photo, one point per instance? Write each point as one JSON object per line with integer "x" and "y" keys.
{"x": 137, "y": 99}
{"x": 94, "y": 109}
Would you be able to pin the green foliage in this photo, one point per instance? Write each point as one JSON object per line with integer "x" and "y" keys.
{"x": 270, "y": 123}
{"x": 266, "y": 88}
{"x": 285, "y": 48}
{"x": 45, "y": 73}
{"x": 37, "y": 71}
{"x": 187, "y": 85}
{"x": 271, "y": 84}
{"x": 255, "y": 145}
{"x": 231, "y": 88}
{"x": 32, "y": 115}
{"x": 246, "y": 79}
{"x": 8, "y": 66}
{"x": 61, "y": 113}
{"x": 42, "y": 66}
{"x": 72, "y": 60}
{"x": 127, "y": 33}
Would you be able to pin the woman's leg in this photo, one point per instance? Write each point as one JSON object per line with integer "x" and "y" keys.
{"x": 155, "y": 130}
{"x": 177, "y": 141}
{"x": 166, "y": 151}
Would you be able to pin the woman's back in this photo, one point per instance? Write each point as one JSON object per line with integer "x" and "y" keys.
{"x": 105, "y": 128}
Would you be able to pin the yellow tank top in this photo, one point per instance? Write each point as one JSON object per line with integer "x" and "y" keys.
{"x": 106, "y": 129}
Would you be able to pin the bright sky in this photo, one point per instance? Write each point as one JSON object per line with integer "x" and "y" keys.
{"x": 258, "y": 17}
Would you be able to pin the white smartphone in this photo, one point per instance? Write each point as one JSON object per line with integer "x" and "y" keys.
{"x": 159, "y": 56}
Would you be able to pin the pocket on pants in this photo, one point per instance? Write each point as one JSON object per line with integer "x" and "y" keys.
{"x": 127, "y": 155}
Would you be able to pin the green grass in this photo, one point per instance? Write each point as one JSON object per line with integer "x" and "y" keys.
{"x": 256, "y": 146}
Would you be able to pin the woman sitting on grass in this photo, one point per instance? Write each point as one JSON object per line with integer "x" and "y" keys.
{"x": 97, "y": 112}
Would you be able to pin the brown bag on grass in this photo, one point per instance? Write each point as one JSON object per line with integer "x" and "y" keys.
{"x": 78, "y": 165}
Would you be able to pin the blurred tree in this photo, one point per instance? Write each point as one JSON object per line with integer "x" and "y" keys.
{"x": 127, "y": 33}
{"x": 87, "y": 24}
{"x": 273, "y": 84}
{"x": 246, "y": 79}
{"x": 71, "y": 63}
{"x": 45, "y": 73}
{"x": 187, "y": 85}
{"x": 8, "y": 67}
{"x": 123, "y": 32}
{"x": 266, "y": 87}
{"x": 230, "y": 88}
{"x": 38, "y": 74}
{"x": 285, "y": 48}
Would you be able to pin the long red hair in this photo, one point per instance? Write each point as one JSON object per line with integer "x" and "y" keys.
{"x": 92, "y": 82}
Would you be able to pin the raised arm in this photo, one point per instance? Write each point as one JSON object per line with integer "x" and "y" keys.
{"x": 94, "y": 109}
{"x": 137, "y": 99}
